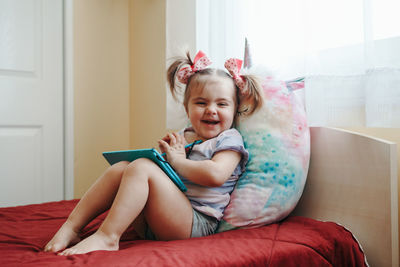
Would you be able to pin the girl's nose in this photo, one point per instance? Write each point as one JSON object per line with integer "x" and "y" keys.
{"x": 211, "y": 110}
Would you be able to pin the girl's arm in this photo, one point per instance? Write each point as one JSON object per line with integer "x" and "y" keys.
{"x": 213, "y": 172}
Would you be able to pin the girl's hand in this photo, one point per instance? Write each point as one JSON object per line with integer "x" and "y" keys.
{"x": 173, "y": 145}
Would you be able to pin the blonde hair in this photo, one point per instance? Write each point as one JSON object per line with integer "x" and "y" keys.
{"x": 247, "y": 102}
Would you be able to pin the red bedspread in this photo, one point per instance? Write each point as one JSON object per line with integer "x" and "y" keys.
{"x": 296, "y": 241}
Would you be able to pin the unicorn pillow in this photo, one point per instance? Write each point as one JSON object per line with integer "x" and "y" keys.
{"x": 278, "y": 140}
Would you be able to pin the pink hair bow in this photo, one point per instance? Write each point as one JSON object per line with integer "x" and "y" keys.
{"x": 233, "y": 65}
{"x": 200, "y": 62}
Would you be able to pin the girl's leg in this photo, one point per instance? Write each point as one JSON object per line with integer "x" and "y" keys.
{"x": 144, "y": 187}
{"x": 96, "y": 200}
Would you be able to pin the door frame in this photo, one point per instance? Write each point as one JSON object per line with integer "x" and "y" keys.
{"x": 68, "y": 21}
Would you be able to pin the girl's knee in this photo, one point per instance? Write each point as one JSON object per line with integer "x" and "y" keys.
{"x": 141, "y": 163}
{"x": 119, "y": 168}
{"x": 142, "y": 166}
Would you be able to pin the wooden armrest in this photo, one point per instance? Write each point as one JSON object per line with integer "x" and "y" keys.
{"x": 352, "y": 180}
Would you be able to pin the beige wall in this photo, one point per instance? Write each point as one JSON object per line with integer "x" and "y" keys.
{"x": 147, "y": 72}
{"x": 119, "y": 80}
{"x": 101, "y": 81}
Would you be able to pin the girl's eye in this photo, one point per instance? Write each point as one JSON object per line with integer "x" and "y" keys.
{"x": 222, "y": 104}
{"x": 201, "y": 103}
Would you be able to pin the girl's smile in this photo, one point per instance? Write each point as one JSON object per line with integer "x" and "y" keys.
{"x": 210, "y": 122}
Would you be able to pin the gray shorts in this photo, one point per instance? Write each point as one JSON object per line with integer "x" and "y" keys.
{"x": 203, "y": 225}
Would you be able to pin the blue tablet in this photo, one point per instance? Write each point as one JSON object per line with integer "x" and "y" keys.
{"x": 130, "y": 155}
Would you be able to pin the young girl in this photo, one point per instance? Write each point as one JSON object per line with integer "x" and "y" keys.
{"x": 139, "y": 192}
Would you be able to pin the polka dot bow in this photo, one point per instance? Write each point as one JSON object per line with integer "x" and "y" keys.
{"x": 200, "y": 62}
{"x": 233, "y": 65}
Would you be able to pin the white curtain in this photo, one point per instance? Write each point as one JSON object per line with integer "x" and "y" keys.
{"x": 348, "y": 50}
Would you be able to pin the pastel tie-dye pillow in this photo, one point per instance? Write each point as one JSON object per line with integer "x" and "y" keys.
{"x": 278, "y": 140}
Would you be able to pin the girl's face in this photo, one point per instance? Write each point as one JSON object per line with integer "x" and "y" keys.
{"x": 212, "y": 106}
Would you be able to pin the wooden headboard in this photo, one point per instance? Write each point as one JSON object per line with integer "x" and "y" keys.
{"x": 352, "y": 181}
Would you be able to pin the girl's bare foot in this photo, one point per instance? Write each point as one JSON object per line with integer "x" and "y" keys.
{"x": 64, "y": 237}
{"x": 97, "y": 241}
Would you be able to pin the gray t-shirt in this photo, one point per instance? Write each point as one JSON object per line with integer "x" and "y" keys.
{"x": 213, "y": 200}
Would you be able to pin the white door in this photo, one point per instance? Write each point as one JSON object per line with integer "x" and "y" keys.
{"x": 31, "y": 101}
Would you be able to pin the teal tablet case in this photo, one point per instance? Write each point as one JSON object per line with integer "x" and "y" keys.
{"x": 130, "y": 155}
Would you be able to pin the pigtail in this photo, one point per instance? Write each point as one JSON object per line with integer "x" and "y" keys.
{"x": 173, "y": 69}
{"x": 251, "y": 100}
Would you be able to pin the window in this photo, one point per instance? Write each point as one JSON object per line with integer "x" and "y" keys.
{"x": 348, "y": 51}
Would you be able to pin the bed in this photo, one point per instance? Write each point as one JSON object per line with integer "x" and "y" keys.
{"x": 347, "y": 216}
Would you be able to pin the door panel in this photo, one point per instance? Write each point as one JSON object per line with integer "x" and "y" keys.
{"x": 31, "y": 101}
